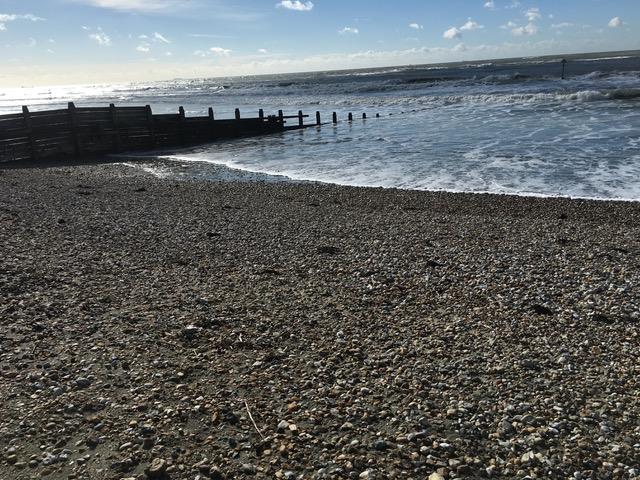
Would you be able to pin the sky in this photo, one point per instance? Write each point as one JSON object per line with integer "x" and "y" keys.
{"x": 53, "y": 42}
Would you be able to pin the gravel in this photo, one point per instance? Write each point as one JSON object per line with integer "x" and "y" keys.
{"x": 154, "y": 328}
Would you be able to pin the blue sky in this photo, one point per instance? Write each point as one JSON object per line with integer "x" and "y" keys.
{"x": 84, "y": 41}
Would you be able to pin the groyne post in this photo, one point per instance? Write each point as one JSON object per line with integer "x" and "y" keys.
{"x": 116, "y": 129}
{"x": 281, "y": 117}
{"x": 211, "y": 117}
{"x": 318, "y": 122}
{"x": 151, "y": 126}
{"x": 261, "y": 114}
{"x": 335, "y": 117}
{"x": 73, "y": 124}
{"x": 183, "y": 130}
{"x": 350, "y": 117}
{"x": 300, "y": 119}
{"x": 29, "y": 126}
{"x": 364, "y": 116}
{"x": 237, "y": 114}
{"x": 564, "y": 63}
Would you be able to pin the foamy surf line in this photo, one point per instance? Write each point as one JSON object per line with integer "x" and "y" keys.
{"x": 221, "y": 172}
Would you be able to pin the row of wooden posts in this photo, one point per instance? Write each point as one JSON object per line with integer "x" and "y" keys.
{"x": 300, "y": 116}
{"x": 79, "y": 131}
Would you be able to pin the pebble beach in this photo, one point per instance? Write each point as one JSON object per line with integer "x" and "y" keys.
{"x": 152, "y": 328}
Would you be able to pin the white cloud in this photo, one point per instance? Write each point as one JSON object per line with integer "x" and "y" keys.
{"x": 347, "y": 30}
{"x": 220, "y": 52}
{"x": 160, "y": 38}
{"x": 143, "y": 37}
{"x": 452, "y": 33}
{"x": 529, "y": 29}
{"x": 533, "y": 14}
{"x": 133, "y": 5}
{"x": 11, "y": 17}
{"x": 144, "y": 48}
{"x": 509, "y": 25}
{"x": 416, "y": 26}
{"x": 101, "y": 39}
{"x": 264, "y": 51}
{"x": 461, "y": 47}
{"x": 471, "y": 25}
{"x": 562, "y": 25}
{"x": 615, "y": 22}
{"x": 491, "y": 5}
{"x": 296, "y": 5}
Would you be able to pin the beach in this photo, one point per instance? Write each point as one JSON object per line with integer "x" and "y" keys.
{"x": 159, "y": 328}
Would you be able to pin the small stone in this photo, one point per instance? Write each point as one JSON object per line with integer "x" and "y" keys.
{"x": 380, "y": 445}
{"x": 283, "y": 426}
{"x": 248, "y": 469}
{"x": 157, "y": 469}
{"x": 436, "y": 476}
{"x": 82, "y": 382}
{"x": 347, "y": 426}
{"x": 215, "y": 473}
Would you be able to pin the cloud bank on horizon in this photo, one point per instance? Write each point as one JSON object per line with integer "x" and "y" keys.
{"x": 129, "y": 40}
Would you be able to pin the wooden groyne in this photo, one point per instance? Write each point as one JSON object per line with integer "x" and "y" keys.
{"x": 93, "y": 131}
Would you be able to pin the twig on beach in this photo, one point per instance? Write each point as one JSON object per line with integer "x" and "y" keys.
{"x": 252, "y": 420}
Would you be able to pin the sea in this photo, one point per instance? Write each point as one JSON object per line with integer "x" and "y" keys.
{"x": 510, "y": 126}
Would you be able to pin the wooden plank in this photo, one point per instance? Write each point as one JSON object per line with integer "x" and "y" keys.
{"x": 10, "y": 116}
{"x": 49, "y": 113}
{"x": 98, "y": 110}
{"x": 9, "y": 122}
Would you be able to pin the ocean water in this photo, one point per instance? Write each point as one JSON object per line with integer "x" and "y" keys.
{"x": 508, "y": 126}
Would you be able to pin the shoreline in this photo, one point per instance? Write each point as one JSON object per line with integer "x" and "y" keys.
{"x": 223, "y": 173}
{"x": 161, "y": 328}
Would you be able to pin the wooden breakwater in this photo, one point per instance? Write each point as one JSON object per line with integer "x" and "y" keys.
{"x": 93, "y": 131}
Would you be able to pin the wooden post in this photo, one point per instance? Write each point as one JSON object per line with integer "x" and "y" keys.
{"x": 211, "y": 114}
{"x": 335, "y": 117}
{"x": 281, "y": 117}
{"x": 318, "y": 122}
{"x": 364, "y": 116}
{"x": 116, "y": 132}
{"x": 377, "y": 115}
{"x": 29, "y": 127}
{"x": 181, "y": 122}
{"x": 261, "y": 115}
{"x": 564, "y": 63}
{"x": 151, "y": 127}
{"x": 350, "y": 117}
{"x": 300, "y": 119}
{"x": 73, "y": 123}
{"x": 237, "y": 114}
